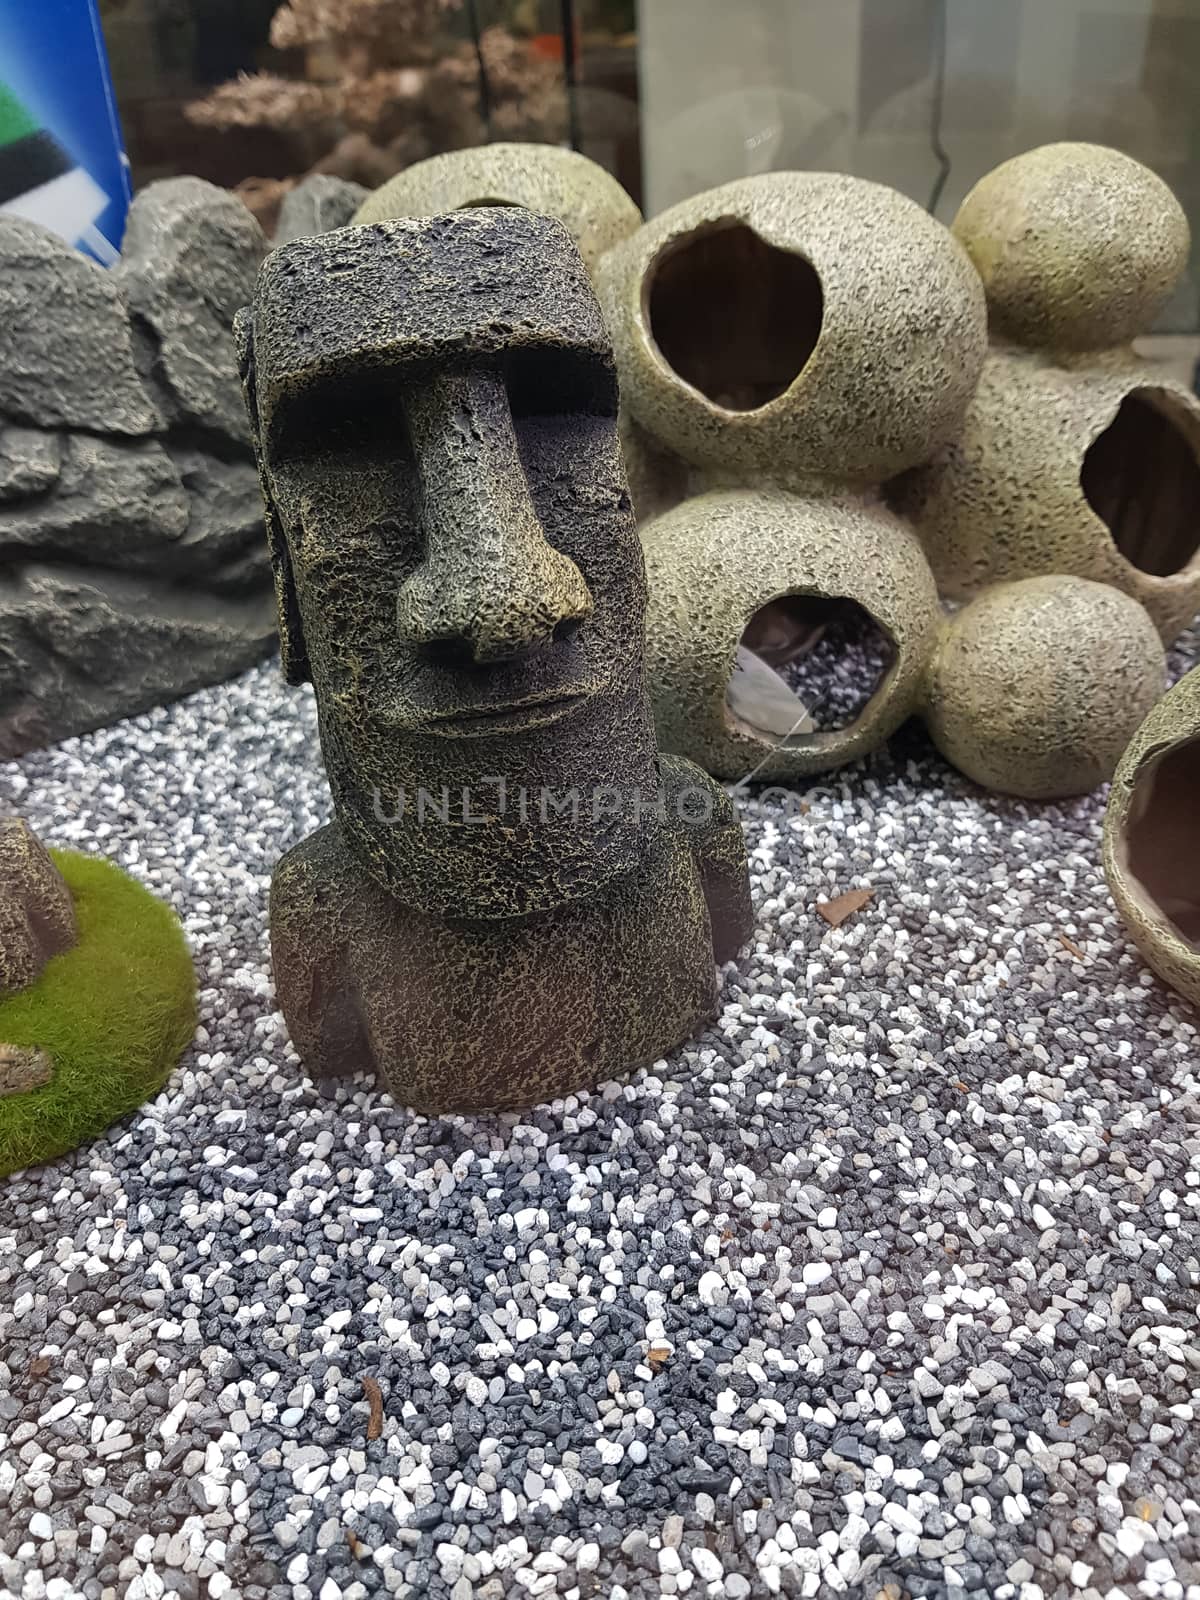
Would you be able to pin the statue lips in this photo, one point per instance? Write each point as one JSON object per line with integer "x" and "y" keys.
{"x": 495, "y": 699}
{"x": 520, "y": 716}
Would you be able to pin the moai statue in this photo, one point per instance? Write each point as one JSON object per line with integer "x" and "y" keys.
{"x": 518, "y": 897}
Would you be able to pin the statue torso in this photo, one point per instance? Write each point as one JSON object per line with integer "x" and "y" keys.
{"x": 489, "y": 1014}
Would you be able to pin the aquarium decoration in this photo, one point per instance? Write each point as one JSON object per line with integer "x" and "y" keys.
{"x": 1150, "y": 852}
{"x": 1075, "y": 456}
{"x": 97, "y": 997}
{"x": 517, "y": 897}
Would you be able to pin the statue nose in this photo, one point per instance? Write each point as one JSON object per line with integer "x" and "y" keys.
{"x": 491, "y": 587}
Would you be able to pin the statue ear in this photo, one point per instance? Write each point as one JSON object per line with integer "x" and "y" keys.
{"x": 292, "y": 647}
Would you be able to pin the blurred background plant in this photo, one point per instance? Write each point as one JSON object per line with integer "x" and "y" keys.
{"x": 256, "y": 94}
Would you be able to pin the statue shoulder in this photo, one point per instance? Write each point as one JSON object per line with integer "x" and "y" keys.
{"x": 692, "y": 799}
{"x": 319, "y": 875}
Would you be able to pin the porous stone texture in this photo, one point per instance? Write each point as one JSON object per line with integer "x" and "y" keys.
{"x": 187, "y": 266}
{"x": 1150, "y": 851}
{"x": 1006, "y": 499}
{"x": 717, "y": 560}
{"x": 68, "y": 349}
{"x": 459, "y": 573}
{"x": 134, "y": 564}
{"x": 762, "y": 345}
{"x": 1074, "y": 456}
{"x": 1036, "y": 687}
{"x": 593, "y": 207}
{"x": 759, "y": 333}
{"x": 318, "y": 204}
{"x": 884, "y": 1284}
{"x": 1078, "y": 246}
{"x": 37, "y": 914}
{"x": 22, "y": 1068}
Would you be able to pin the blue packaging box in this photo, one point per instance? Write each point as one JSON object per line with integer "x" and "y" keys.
{"x": 62, "y": 159}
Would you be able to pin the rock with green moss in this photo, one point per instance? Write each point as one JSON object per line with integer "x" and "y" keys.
{"x": 1150, "y": 853}
{"x": 101, "y": 1027}
{"x": 23, "y": 1068}
{"x": 37, "y": 917}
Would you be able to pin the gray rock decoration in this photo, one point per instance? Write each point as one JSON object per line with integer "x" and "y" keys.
{"x": 317, "y": 205}
{"x": 134, "y": 564}
{"x": 37, "y": 914}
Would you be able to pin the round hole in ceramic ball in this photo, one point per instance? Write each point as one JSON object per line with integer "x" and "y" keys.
{"x": 587, "y": 200}
{"x": 807, "y": 664}
{"x": 1141, "y": 477}
{"x": 1150, "y": 853}
{"x": 758, "y": 329}
{"x": 784, "y": 635}
{"x": 1037, "y": 687}
{"x": 1078, "y": 246}
{"x": 734, "y": 316}
{"x": 1090, "y": 471}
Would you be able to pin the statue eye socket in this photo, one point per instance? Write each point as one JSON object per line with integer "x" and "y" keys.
{"x": 549, "y": 382}
{"x": 350, "y": 416}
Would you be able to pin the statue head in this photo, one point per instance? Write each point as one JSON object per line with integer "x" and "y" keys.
{"x": 434, "y": 406}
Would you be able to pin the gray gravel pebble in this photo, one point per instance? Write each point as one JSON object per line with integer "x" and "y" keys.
{"x": 886, "y": 1285}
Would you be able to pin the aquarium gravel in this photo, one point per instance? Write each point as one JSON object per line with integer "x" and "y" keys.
{"x": 886, "y": 1285}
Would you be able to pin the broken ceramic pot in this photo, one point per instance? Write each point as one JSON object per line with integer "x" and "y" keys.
{"x": 517, "y": 897}
{"x": 1150, "y": 852}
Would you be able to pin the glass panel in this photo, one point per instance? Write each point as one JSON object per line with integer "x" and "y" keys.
{"x": 925, "y": 95}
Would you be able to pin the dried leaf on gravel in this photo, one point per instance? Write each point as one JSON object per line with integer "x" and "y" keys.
{"x": 837, "y": 910}
{"x": 375, "y": 1402}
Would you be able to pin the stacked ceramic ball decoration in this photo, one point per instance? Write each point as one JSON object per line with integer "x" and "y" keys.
{"x": 791, "y": 349}
{"x": 786, "y": 344}
{"x": 591, "y": 204}
{"x": 1074, "y": 455}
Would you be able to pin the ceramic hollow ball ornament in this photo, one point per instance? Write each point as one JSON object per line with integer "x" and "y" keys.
{"x": 1150, "y": 838}
{"x": 786, "y": 343}
{"x": 1036, "y": 687}
{"x": 1075, "y": 456}
{"x": 516, "y": 897}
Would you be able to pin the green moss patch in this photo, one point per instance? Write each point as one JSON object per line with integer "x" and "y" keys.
{"x": 114, "y": 1014}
